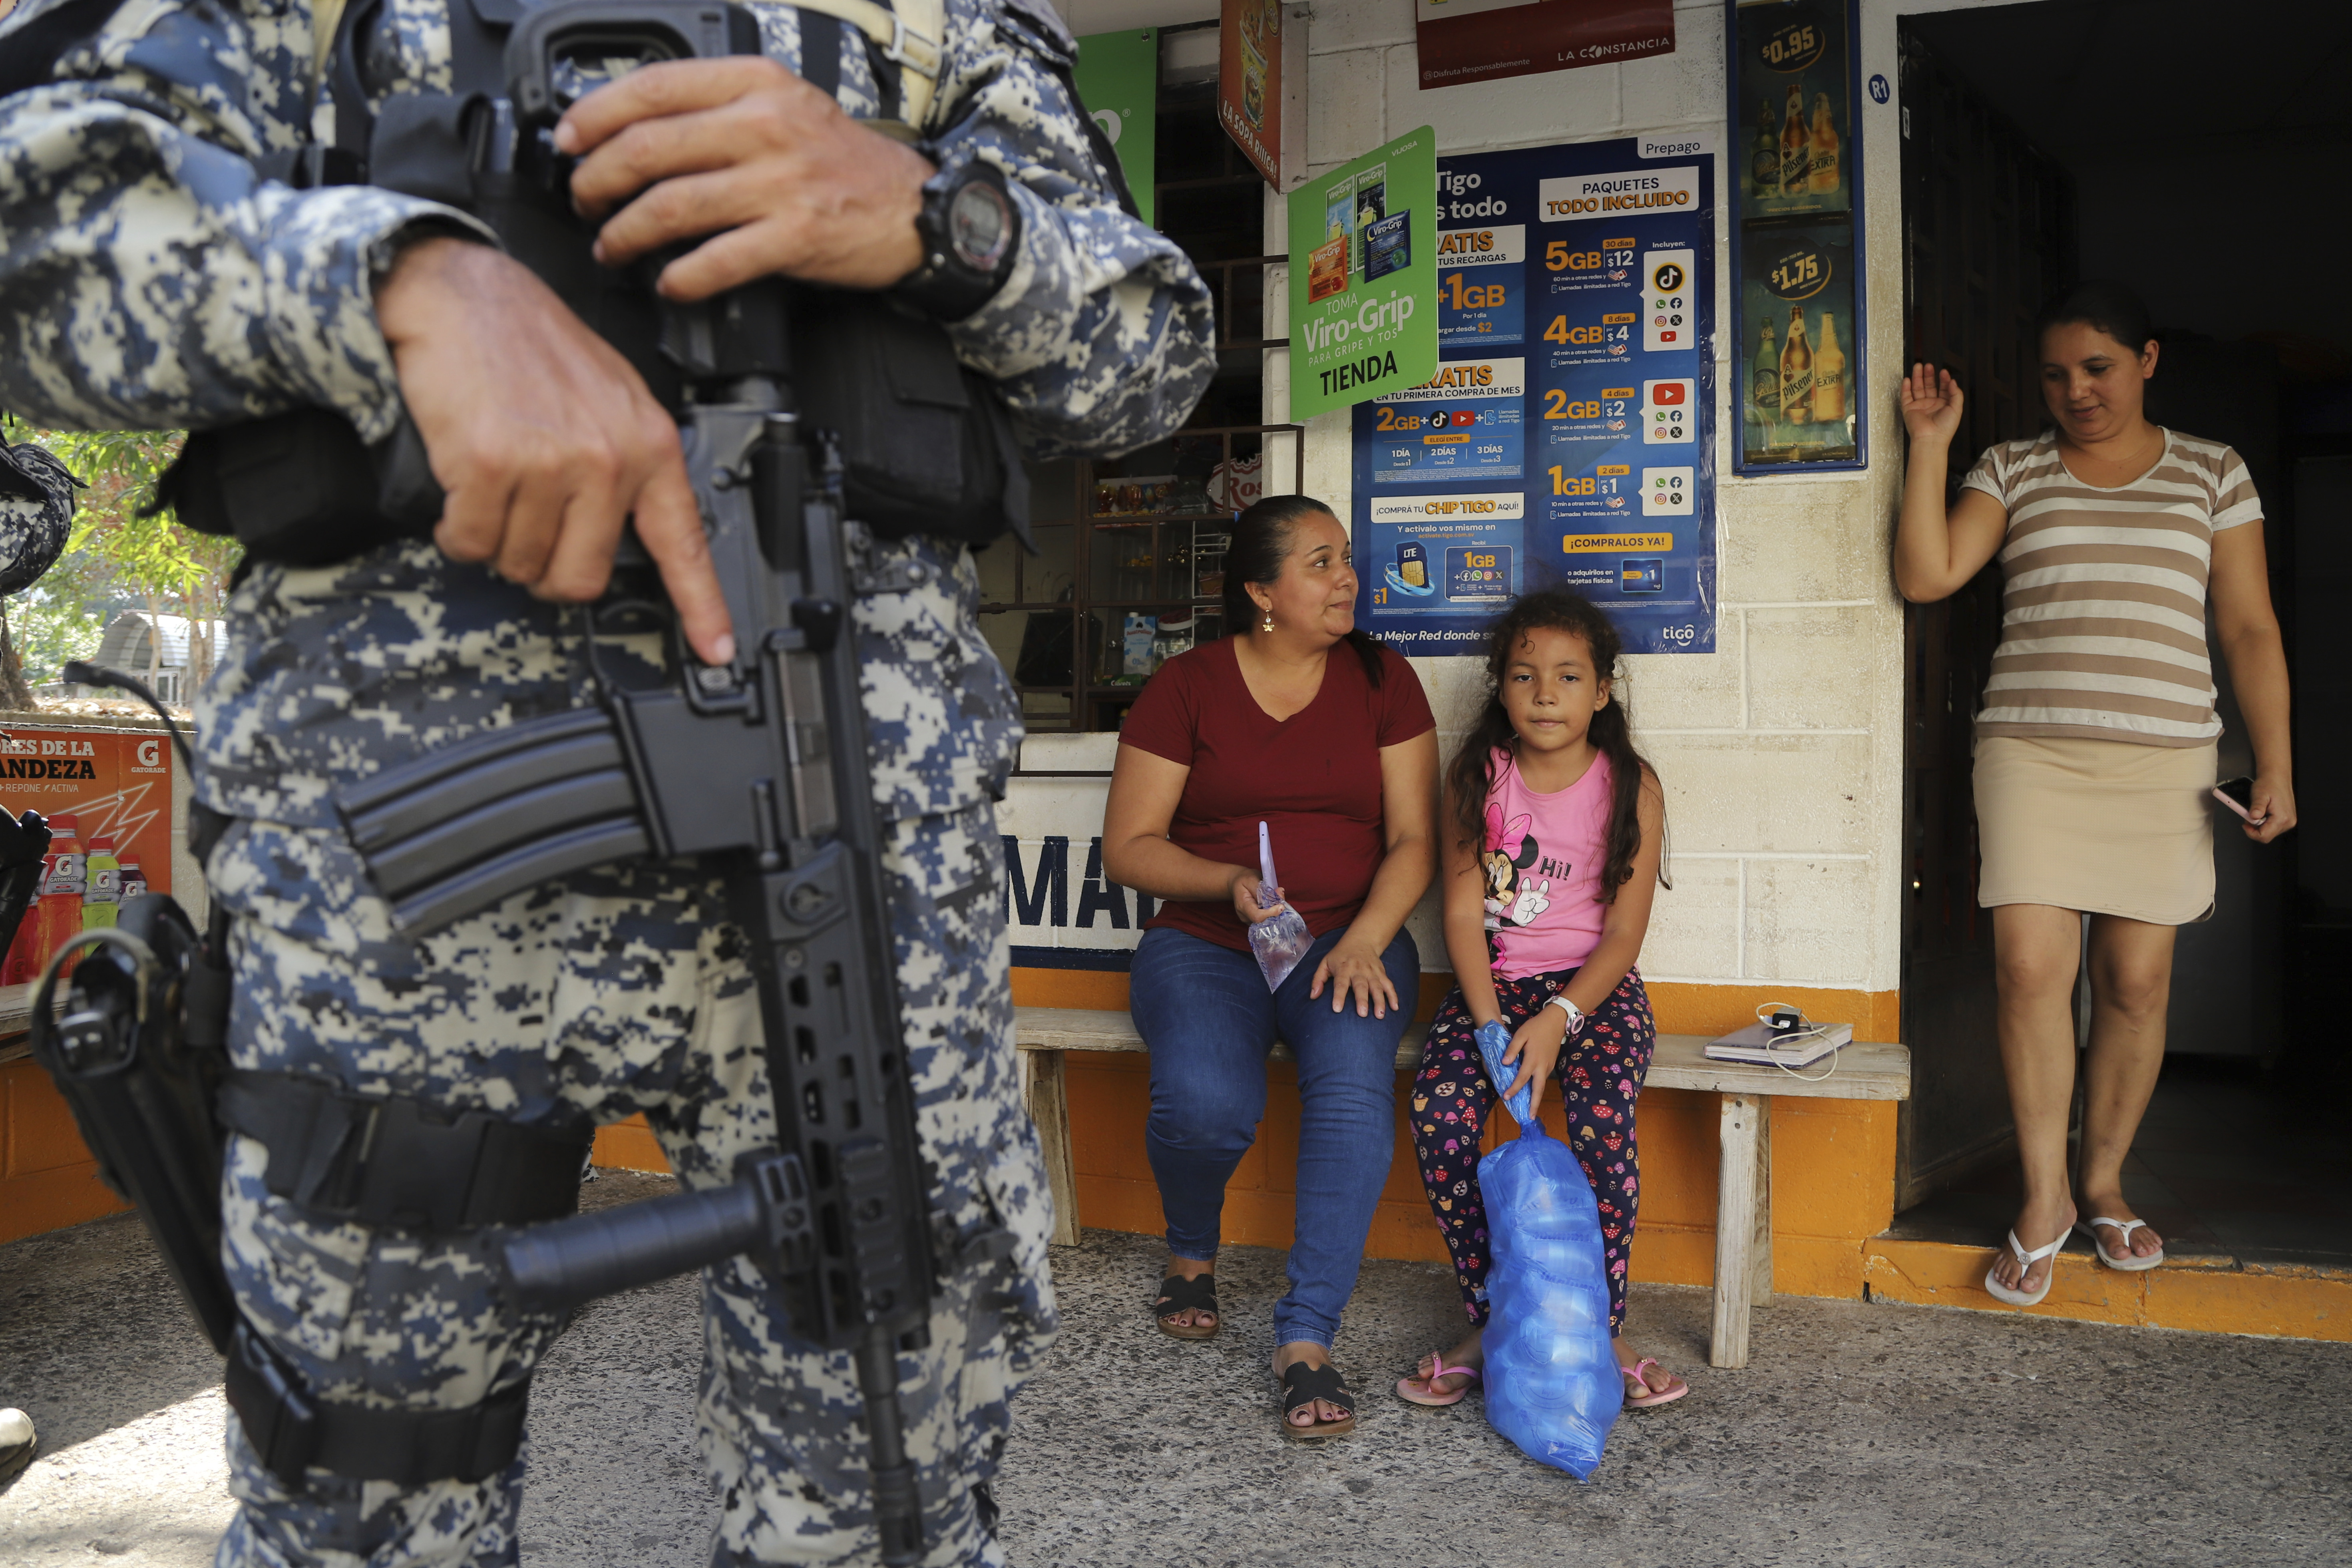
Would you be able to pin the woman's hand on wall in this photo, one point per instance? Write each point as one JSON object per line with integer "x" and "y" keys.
{"x": 1353, "y": 968}
{"x": 1931, "y": 406}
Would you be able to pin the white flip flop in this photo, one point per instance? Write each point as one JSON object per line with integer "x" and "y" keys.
{"x": 2129, "y": 1262}
{"x": 2025, "y": 1262}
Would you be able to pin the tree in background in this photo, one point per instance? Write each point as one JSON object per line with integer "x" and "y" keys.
{"x": 122, "y": 547}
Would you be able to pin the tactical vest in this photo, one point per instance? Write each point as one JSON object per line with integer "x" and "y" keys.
{"x": 927, "y": 445}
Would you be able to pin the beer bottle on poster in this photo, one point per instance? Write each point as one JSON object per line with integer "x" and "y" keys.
{"x": 1764, "y": 385}
{"x": 102, "y": 893}
{"x": 1821, "y": 173}
{"x": 1797, "y": 372}
{"x": 1764, "y": 168}
{"x": 1829, "y": 376}
{"x": 1796, "y": 145}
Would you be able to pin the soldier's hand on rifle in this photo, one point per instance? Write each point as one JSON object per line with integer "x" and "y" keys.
{"x": 746, "y": 152}
{"x": 543, "y": 437}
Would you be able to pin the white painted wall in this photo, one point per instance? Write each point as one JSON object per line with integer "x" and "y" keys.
{"x": 1782, "y": 752}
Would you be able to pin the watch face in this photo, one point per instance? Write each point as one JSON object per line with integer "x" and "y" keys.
{"x": 980, "y": 225}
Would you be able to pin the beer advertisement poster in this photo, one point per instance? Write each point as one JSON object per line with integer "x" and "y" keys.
{"x": 1796, "y": 303}
{"x": 107, "y": 796}
{"x": 1565, "y": 437}
{"x": 1798, "y": 299}
{"x": 1790, "y": 144}
{"x": 1249, "y": 82}
{"x": 1363, "y": 317}
{"x": 1117, "y": 77}
{"x": 1485, "y": 40}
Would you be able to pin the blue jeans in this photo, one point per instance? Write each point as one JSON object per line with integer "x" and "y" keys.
{"x": 1209, "y": 1020}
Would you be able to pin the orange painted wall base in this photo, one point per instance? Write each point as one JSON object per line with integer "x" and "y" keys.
{"x": 47, "y": 1180}
{"x": 2290, "y": 1302}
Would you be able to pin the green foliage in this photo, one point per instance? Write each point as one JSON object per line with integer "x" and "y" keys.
{"x": 47, "y": 629}
{"x": 122, "y": 547}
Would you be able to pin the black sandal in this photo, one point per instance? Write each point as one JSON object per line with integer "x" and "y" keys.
{"x": 1303, "y": 1385}
{"x": 1179, "y": 1294}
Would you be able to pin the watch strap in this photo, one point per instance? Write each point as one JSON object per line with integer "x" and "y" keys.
{"x": 1575, "y": 1014}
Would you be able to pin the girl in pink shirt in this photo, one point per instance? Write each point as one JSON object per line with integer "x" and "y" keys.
{"x": 1553, "y": 832}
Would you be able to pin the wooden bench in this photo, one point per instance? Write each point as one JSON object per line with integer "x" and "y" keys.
{"x": 1743, "y": 1228}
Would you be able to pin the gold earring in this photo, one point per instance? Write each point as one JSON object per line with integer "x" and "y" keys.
{"x": 1267, "y": 624}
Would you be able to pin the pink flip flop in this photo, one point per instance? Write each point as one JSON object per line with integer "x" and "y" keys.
{"x": 1412, "y": 1396}
{"x": 1633, "y": 1379}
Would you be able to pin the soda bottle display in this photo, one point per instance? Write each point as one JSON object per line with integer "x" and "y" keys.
{"x": 1828, "y": 375}
{"x": 1821, "y": 167}
{"x": 102, "y": 893}
{"x": 1797, "y": 372}
{"x": 1764, "y": 383}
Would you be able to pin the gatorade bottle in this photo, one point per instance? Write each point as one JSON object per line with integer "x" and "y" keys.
{"x": 134, "y": 880}
{"x": 60, "y": 906}
{"x": 101, "y": 895}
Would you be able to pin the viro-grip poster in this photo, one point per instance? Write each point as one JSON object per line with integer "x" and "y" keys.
{"x": 1567, "y": 436}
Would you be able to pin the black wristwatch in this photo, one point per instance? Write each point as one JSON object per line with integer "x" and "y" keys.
{"x": 971, "y": 230}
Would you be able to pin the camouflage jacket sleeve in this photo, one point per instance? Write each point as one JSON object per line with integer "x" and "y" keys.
{"x": 148, "y": 278}
{"x": 1103, "y": 337}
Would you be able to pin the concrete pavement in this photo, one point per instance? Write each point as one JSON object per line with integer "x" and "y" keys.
{"x": 1862, "y": 1435}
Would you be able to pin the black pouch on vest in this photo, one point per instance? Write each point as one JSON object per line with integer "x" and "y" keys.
{"x": 927, "y": 445}
{"x": 301, "y": 488}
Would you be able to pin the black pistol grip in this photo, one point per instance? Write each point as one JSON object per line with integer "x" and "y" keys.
{"x": 764, "y": 1212}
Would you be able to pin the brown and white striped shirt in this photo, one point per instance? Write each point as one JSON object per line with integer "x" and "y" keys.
{"x": 2102, "y": 601}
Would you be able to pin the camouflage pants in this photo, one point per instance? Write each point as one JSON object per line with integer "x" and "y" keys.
{"x": 611, "y": 992}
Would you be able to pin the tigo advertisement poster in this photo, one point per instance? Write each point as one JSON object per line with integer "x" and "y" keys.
{"x": 1565, "y": 438}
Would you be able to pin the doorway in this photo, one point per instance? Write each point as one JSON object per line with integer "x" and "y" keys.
{"x": 2067, "y": 138}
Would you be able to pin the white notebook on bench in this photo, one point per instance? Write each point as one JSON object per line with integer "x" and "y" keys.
{"x": 1757, "y": 1043}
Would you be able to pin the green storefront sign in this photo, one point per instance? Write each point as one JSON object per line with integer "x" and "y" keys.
{"x": 1363, "y": 278}
{"x": 1118, "y": 78}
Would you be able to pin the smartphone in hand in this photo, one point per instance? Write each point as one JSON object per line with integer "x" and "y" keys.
{"x": 2238, "y": 794}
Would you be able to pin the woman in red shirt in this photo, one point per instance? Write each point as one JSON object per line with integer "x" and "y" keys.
{"x": 1300, "y": 721}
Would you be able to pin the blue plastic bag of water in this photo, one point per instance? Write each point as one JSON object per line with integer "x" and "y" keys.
{"x": 1551, "y": 1379}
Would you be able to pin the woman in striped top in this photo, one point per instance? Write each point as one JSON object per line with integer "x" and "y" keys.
{"x": 2095, "y": 745}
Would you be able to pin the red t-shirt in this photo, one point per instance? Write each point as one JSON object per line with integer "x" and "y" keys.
{"x": 1314, "y": 779}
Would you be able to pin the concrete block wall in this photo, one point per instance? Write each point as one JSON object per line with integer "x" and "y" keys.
{"x": 1781, "y": 751}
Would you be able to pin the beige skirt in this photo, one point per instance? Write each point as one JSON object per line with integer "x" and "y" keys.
{"x": 2108, "y": 828}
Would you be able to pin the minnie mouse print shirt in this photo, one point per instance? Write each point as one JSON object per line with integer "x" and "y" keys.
{"x": 1541, "y": 857}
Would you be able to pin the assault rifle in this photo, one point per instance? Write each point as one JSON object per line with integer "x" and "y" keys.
{"x": 758, "y": 765}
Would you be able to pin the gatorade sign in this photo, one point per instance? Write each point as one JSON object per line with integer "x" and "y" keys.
{"x": 113, "y": 787}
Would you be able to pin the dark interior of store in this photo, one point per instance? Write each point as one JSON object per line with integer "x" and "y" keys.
{"x": 2199, "y": 155}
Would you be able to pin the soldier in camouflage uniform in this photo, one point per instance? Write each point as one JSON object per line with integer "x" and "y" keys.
{"x": 149, "y": 279}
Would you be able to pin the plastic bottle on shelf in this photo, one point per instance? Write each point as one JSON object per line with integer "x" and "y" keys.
{"x": 101, "y": 894}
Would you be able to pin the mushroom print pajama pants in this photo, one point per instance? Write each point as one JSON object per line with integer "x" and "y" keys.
{"x": 1600, "y": 1075}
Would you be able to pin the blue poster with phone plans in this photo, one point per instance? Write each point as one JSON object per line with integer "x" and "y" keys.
{"x": 1567, "y": 436}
